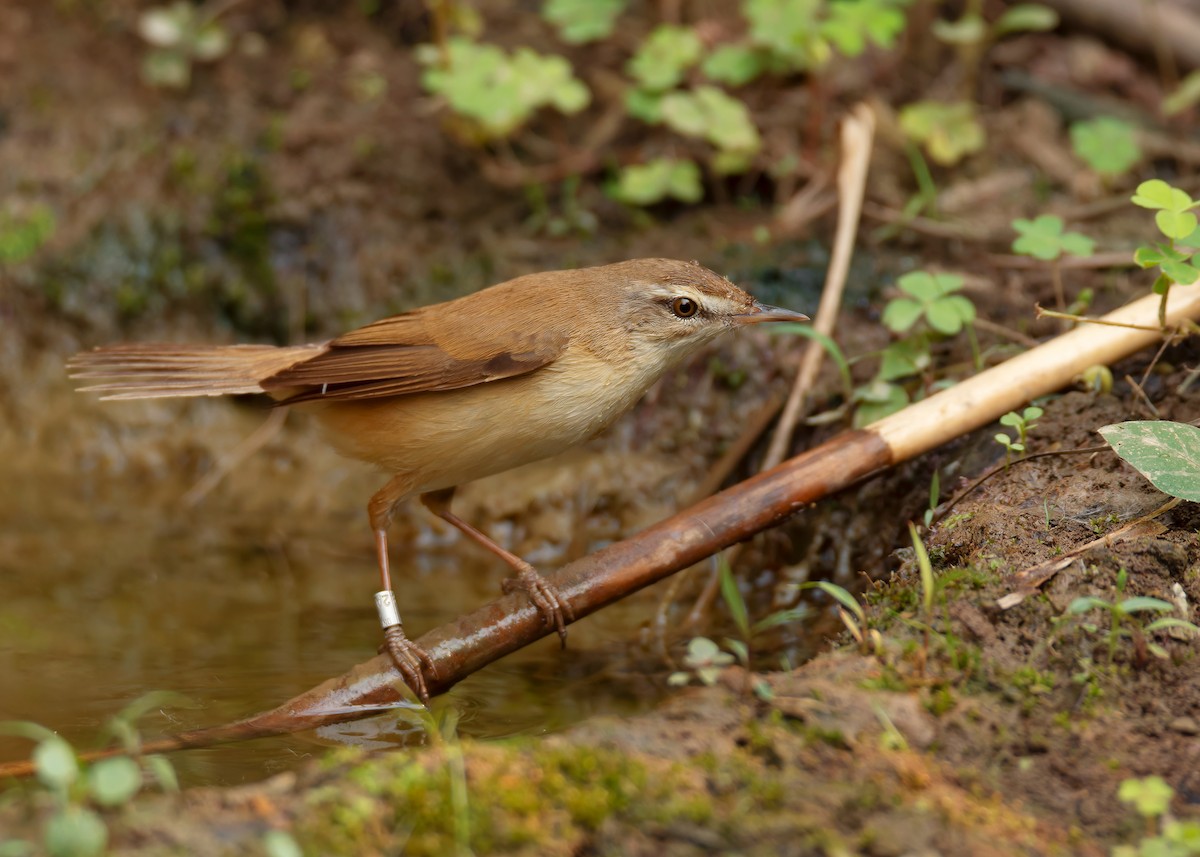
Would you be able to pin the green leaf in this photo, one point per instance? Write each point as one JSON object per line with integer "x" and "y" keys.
{"x": 779, "y": 617}
{"x": 1142, "y": 603}
{"x": 1166, "y": 453}
{"x": 1106, "y": 144}
{"x": 1168, "y": 622}
{"x": 1175, "y": 224}
{"x": 580, "y": 21}
{"x": 279, "y": 843}
{"x": 664, "y": 56}
{"x": 26, "y": 729}
{"x": 740, "y": 650}
{"x": 54, "y": 760}
{"x": 789, "y": 30}
{"x": 683, "y": 112}
{"x": 968, "y": 30}
{"x": 900, "y": 314}
{"x": 646, "y": 184}
{"x": 112, "y": 782}
{"x": 1151, "y": 796}
{"x": 1181, "y": 272}
{"x": 75, "y": 832}
{"x": 921, "y": 285}
{"x": 1044, "y": 238}
{"x": 733, "y": 598}
{"x": 1157, "y": 194}
{"x": 850, "y": 24}
{"x": 644, "y": 104}
{"x": 1039, "y": 238}
{"x": 924, "y": 567}
{"x": 167, "y": 68}
{"x": 878, "y": 400}
{"x": 825, "y": 341}
{"x": 163, "y": 771}
{"x": 711, "y": 114}
{"x": 902, "y": 359}
{"x": 950, "y": 314}
{"x": 1025, "y": 18}
{"x": 1078, "y": 244}
{"x": 500, "y": 92}
{"x": 734, "y": 65}
{"x": 1186, "y": 95}
{"x": 1085, "y": 603}
{"x": 210, "y": 42}
{"x": 1147, "y": 257}
{"x": 166, "y": 26}
{"x": 948, "y": 132}
{"x": 843, "y": 597}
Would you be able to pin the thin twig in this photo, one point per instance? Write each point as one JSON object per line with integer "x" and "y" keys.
{"x": 252, "y": 444}
{"x": 1031, "y": 578}
{"x": 946, "y": 507}
{"x": 858, "y": 131}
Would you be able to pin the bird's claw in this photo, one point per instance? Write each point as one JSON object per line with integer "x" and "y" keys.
{"x": 556, "y": 611}
{"x": 410, "y": 660}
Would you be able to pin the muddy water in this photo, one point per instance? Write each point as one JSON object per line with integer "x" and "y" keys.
{"x": 113, "y": 583}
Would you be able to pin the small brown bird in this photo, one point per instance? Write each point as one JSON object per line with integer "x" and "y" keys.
{"x": 449, "y": 393}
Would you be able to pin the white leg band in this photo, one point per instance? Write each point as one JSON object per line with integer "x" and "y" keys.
{"x": 385, "y": 604}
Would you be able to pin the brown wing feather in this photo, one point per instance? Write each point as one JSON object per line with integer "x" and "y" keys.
{"x": 401, "y": 355}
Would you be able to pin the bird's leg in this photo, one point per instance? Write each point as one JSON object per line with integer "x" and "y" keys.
{"x": 544, "y": 596}
{"x": 412, "y": 661}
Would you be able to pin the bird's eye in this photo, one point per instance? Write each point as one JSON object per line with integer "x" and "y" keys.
{"x": 684, "y": 307}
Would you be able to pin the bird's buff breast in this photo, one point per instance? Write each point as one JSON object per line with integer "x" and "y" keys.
{"x": 448, "y": 438}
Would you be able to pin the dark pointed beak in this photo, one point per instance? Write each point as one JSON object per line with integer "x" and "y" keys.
{"x": 765, "y": 312}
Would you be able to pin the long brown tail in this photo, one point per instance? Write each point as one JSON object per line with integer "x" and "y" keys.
{"x": 159, "y": 370}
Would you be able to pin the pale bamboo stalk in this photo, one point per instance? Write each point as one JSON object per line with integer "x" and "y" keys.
{"x": 987, "y": 396}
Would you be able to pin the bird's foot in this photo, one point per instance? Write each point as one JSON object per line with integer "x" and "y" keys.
{"x": 555, "y": 610}
{"x": 412, "y": 662}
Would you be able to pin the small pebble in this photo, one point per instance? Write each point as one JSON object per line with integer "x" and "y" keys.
{"x": 1185, "y": 726}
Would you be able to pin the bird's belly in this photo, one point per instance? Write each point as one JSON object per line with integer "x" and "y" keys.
{"x": 448, "y": 438}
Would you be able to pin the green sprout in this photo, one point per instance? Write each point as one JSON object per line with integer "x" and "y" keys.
{"x": 1123, "y": 621}
{"x": 712, "y": 115}
{"x": 1043, "y": 238}
{"x": 654, "y": 181}
{"x": 1023, "y": 423}
{"x": 1186, "y": 95}
{"x": 931, "y": 297}
{"x": 1177, "y": 260}
{"x": 948, "y": 131}
{"x": 180, "y": 34}
{"x": 1165, "y": 836}
{"x": 704, "y": 660}
{"x": 76, "y": 828}
{"x": 23, "y": 235}
{"x": 926, "y": 299}
{"x": 498, "y": 92}
{"x": 1151, "y": 796}
{"x": 1106, "y": 144}
{"x": 663, "y": 58}
{"x": 580, "y": 21}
